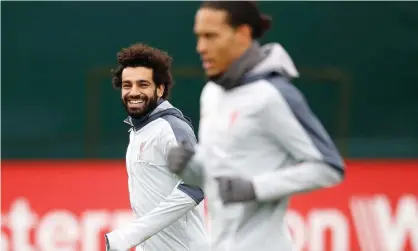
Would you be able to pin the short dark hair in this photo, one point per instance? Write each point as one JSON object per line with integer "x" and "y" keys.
{"x": 242, "y": 12}
{"x": 142, "y": 55}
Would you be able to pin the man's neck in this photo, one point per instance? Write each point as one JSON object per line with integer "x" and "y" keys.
{"x": 250, "y": 58}
{"x": 240, "y": 54}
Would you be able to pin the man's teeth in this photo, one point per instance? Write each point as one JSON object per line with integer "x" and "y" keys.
{"x": 136, "y": 101}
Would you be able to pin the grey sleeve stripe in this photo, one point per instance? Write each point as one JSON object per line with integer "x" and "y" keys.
{"x": 192, "y": 191}
{"x": 182, "y": 131}
{"x": 309, "y": 122}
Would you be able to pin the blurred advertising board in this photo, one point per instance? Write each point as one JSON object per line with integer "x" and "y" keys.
{"x": 69, "y": 205}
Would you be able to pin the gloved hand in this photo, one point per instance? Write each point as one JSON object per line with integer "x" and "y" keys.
{"x": 178, "y": 157}
{"x": 234, "y": 190}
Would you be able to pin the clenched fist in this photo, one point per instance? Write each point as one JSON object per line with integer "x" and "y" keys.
{"x": 232, "y": 190}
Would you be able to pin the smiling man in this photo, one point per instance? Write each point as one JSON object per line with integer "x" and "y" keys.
{"x": 169, "y": 213}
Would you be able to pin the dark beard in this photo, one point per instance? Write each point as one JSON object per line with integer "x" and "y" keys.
{"x": 150, "y": 104}
{"x": 214, "y": 78}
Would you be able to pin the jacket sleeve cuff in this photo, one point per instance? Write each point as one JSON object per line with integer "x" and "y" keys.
{"x": 262, "y": 192}
{"x": 107, "y": 243}
{"x": 116, "y": 242}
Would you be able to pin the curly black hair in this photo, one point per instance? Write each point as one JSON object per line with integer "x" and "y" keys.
{"x": 142, "y": 55}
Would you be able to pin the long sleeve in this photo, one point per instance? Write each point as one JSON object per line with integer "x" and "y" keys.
{"x": 176, "y": 205}
{"x": 291, "y": 124}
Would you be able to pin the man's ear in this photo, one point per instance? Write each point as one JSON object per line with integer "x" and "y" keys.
{"x": 244, "y": 32}
{"x": 160, "y": 90}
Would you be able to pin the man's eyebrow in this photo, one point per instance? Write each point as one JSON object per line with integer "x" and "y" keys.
{"x": 143, "y": 81}
{"x": 139, "y": 81}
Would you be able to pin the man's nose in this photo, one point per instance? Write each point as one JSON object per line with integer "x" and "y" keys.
{"x": 135, "y": 91}
{"x": 201, "y": 47}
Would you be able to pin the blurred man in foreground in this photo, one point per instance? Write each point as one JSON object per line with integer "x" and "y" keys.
{"x": 167, "y": 211}
{"x": 259, "y": 141}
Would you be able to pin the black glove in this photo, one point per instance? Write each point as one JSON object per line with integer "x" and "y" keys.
{"x": 235, "y": 190}
{"x": 178, "y": 157}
